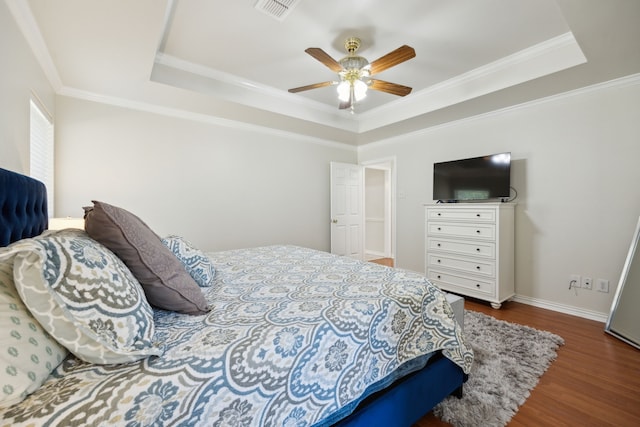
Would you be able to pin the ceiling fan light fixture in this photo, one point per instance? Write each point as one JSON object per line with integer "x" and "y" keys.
{"x": 358, "y": 87}
{"x": 360, "y": 90}
{"x": 344, "y": 89}
{"x": 353, "y": 62}
{"x": 355, "y": 73}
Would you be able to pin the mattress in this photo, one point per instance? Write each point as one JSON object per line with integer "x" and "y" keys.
{"x": 295, "y": 337}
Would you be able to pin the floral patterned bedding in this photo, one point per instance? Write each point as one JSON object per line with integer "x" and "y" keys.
{"x": 294, "y": 337}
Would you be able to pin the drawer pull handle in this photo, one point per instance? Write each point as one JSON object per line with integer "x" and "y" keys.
{"x": 477, "y": 285}
{"x": 438, "y": 276}
{"x": 439, "y": 245}
{"x": 477, "y": 249}
{"x": 439, "y": 260}
{"x": 478, "y": 231}
{"x": 477, "y": 267}
{"x": 439, "y": 228}
{"x": 478, "y": 215}
{"x": 439, "y": 214}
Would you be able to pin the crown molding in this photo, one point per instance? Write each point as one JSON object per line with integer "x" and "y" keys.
{"x": 26, "y": 22}
{"x": 173, "y": 71}
{"x": 622, "y": 82}
{"x": 198, "y": 117}
{"x": 550, "y": 56}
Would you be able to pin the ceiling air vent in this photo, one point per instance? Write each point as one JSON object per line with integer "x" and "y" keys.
{"x": 278, "y": 9}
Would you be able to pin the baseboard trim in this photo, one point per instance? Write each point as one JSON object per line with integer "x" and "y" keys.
{"x": 562, "y": 308}
{"x": 369, "y": 255}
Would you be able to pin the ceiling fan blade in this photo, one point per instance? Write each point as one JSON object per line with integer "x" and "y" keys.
{"x": 392, "y": 88}
{"x": 401, "y": 54}
{"x": 313, "y": 86}
{"x": 324, "y": 57}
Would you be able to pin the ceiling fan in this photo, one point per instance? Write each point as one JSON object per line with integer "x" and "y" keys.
{"x": 355, "y": 72}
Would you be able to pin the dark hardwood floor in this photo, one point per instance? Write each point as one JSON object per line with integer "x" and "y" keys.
{"x": 595, "y": 381}
{"x": 384, "y": 261}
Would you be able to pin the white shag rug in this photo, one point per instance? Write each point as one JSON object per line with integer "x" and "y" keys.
{"x": 509, "y": 361}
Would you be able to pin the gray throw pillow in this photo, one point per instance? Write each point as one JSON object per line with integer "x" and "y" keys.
{"x": 166, "y": 283}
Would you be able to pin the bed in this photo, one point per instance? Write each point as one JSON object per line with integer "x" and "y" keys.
{"x": 275, "y": 336}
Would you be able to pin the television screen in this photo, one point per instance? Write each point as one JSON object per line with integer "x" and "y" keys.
{"x": 477, "y": 178}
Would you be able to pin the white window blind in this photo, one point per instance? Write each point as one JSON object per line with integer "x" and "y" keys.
{"x": 41, "y": 157}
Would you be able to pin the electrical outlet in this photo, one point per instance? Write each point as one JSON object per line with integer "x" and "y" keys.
{"x": 574, "y": 281}
{"x": 602, "y": 285}
{"x": 586, "y": 282}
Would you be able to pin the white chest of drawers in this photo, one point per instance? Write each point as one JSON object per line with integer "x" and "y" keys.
{"x": 469, "y": 249}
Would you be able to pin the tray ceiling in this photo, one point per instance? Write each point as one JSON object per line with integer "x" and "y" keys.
{"x": 230, "y": 60}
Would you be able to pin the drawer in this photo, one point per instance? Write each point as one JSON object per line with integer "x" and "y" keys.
{"x": 480, "y": 249}
{"x": 434, "y": 214}
{"x": 463, "y": 283}
{"x": 464, "y": 265}
{"x": 477, "y": 231}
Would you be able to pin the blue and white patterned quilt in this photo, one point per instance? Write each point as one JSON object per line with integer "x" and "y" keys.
{"x": 293, "y": 335}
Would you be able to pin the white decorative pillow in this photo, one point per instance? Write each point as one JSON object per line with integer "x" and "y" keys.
{"x": 85, "y": 297}
{"x": 196, "y": 262}
{"x": 27, "y": 352}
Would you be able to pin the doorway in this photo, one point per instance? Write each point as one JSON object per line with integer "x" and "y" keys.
{"x": 379, "y": 211}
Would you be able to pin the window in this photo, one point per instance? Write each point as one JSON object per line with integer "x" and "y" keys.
{"x": 41, "y": 157}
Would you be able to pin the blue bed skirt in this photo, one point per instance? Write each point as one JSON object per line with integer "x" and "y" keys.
{"x": 409, "y": 399}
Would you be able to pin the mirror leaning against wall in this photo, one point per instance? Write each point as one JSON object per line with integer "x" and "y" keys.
{"x": 624, "y": 318}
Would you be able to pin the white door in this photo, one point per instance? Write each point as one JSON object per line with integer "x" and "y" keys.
{"x": 347, "y": 213}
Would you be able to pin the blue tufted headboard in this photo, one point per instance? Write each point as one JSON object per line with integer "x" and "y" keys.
{"x": 23, "y": 207}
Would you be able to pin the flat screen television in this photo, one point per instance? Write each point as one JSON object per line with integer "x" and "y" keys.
{"x": 477, "y": 178}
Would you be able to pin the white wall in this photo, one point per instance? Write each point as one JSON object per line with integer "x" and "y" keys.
{"x": 217, "y": 186}
{"x": 576, "y": 169}
{"x": 20, "y": 78}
